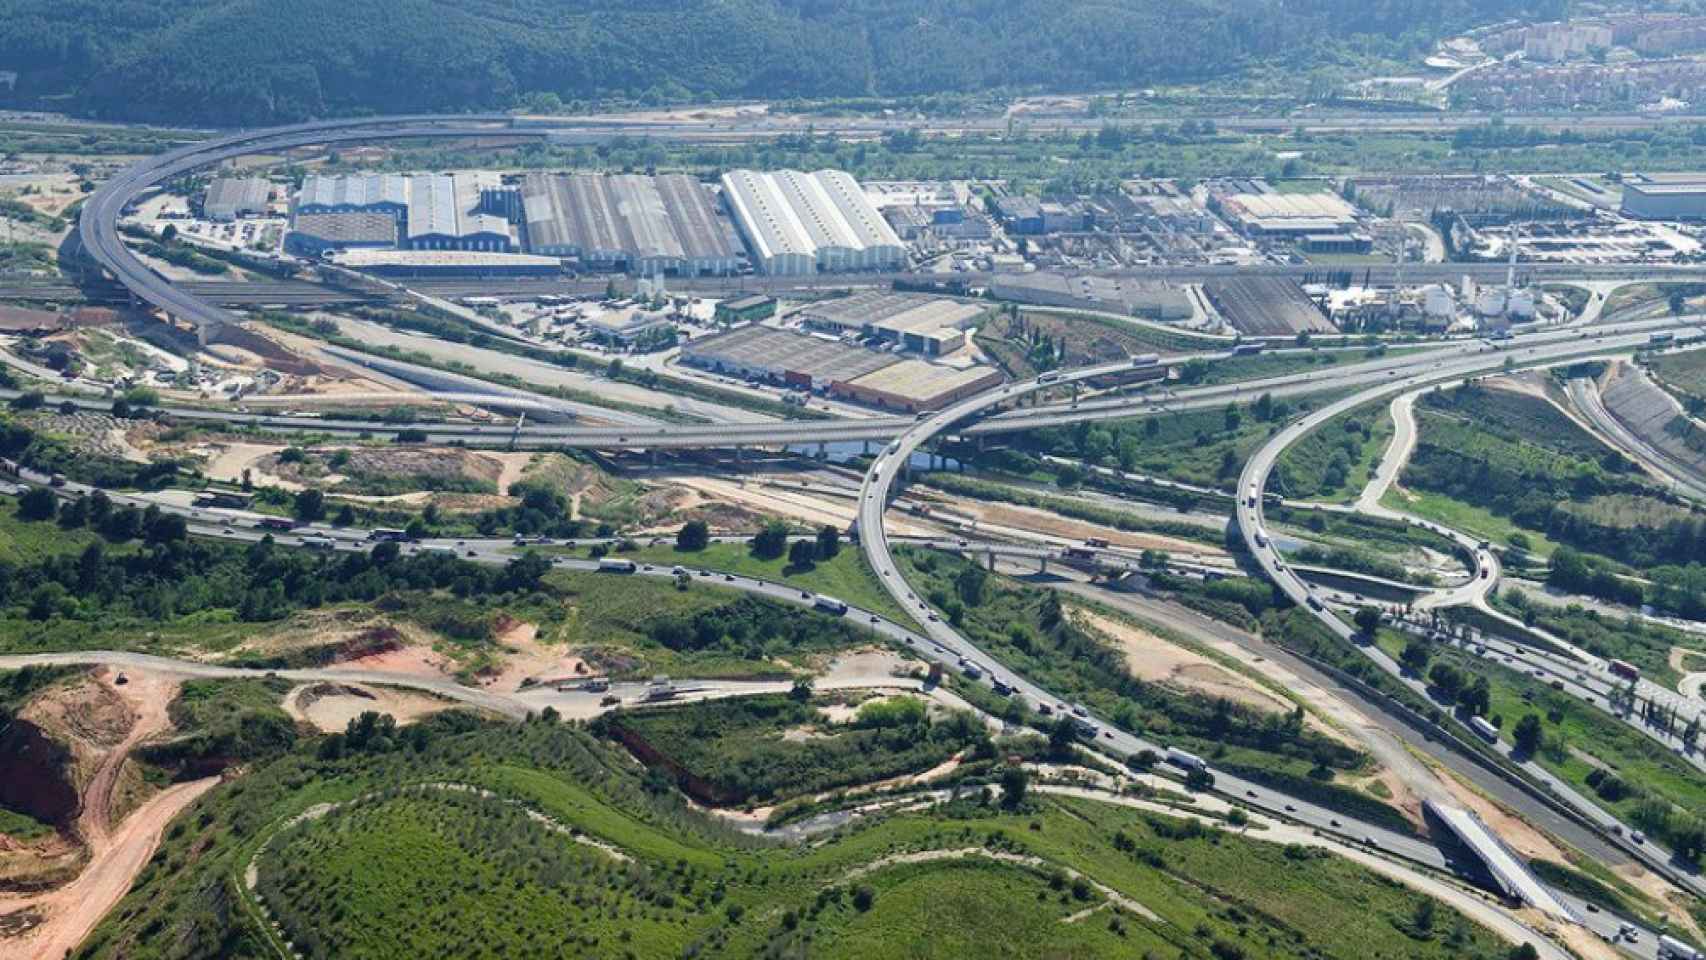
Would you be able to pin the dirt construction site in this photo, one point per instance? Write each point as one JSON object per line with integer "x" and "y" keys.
{"x": 77, "y": 773}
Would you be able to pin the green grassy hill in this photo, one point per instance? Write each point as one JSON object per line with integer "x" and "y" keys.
{"x": 475, "y": 840}
{"x": 251, "y": 61}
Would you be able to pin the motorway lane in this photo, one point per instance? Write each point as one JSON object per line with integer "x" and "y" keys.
{"x": 884, "y": 429}
{"x": 1249, "y": 515}
{"x": 1418, "y": 738}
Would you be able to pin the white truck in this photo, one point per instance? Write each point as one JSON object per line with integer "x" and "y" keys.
{"x": 830, "y": 604}
{"x": 615, "y": 565}
{"x": 1485, "y": 728}
{"x": 1670, "y": 948}
{"x": 1184, "y": 760}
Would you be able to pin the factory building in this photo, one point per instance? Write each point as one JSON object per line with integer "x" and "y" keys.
{"x": 1338, "y": 243}
{"x": 646, "y": 225}
{"x": 796, "y": 224}
{"x": 871, "y": 377}
{"x": 626, "y": 327}
{"x": 1665, "y": 196}
{"x": 445, "y": 213}
{"x": 1287, "y": 214}
{"x": 314, "y": 233}
{"x": 934, "y": 326}
{"x": 228, "y": 198}
{"x": 432, "y": 212}
{"x": 1154, "y": 301}
{"x": 368, "y": 193}
{"x": 784, "y": 356}
{"x": 912, "y": 386}
{"x": 748, "y": 309}
{"x": 1021, "y": 215}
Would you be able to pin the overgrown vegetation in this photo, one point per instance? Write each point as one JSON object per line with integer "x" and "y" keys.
{"x": 1336, "y": 460}
{"x": 771, "y": 748}
{"x": 1518, "y": 459}
{"x": 219, "y": 65}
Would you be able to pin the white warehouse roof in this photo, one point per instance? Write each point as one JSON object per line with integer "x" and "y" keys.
{"x": 799, "y": 222}
{"x": 365, "y": 190}
{"x": 432, "y": 206}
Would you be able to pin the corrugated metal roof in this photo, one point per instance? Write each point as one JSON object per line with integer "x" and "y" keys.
{"x": 363, "y": 190}
{"x": 703, "y": 235}
{"x": 787, "y": 212}
{"x": 236, "y": 194}
{"x": 432, "y": 206}
{"x": 766, "y": 216}
{"x": 857, "y": 212}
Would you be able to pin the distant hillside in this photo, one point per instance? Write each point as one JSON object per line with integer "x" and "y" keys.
{"x": 264, "y": 61}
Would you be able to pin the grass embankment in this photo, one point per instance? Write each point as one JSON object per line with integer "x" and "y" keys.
{"x": 1468, "y": 518}
{"x": 1498, "y": 464}
{"x": 1202, "y": 447}
{"x": 1684, "y": 371}
{"x": 846, "y": 575}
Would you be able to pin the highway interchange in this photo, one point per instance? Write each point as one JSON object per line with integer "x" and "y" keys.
{"x": 900, "y": 438}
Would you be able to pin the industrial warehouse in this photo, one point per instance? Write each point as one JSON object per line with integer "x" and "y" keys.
{"x": 1260, "y": 211}
{"x": 1665, "y": 196}
{"x": 934, "y": 326}
{"x": 792, "y": 223}
{"x": 228, "y": 198}
{"x": 837, "y": 369}
{"x": 647, "y": 225}
{"x": 796, "y": 224}
{"x": 432, "y": 212}
{"x": 1266, "y": 307}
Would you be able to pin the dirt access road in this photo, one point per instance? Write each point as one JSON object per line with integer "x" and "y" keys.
{"x": 64, "y": 917}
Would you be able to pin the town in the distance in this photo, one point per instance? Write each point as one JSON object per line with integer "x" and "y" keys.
{"x": 1225, "y": 484}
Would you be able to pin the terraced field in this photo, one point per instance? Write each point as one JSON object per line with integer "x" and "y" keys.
{"x": 538, "y": 840}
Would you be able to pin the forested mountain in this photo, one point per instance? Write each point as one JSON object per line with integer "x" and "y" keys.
{"x": 262, "y": 61}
